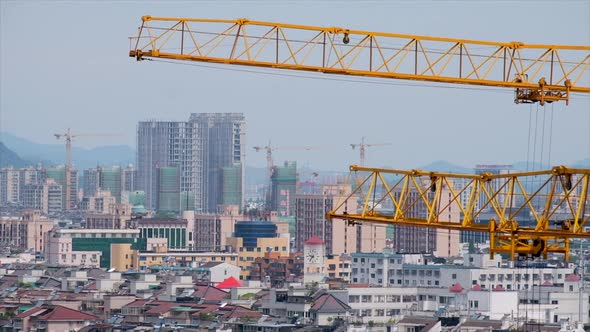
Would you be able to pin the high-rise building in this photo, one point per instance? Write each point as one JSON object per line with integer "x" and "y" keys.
{"x": 166, "y": 144}
{"x": 59, "y": 175}
{"x": 90, "y": 181}
{"x": 168, "y": 197}
{"x": 201, "y": 148}
{"x": 221, "y": 138}
{"x": 128, "y": 178}
{"x": 110, "y": 180}
{"x": 338, "y": 236}
{"x": 30, "y": 175}
{"x": 46, "y": 197}
{"x": 9, "y": 186}
{"x": 283, "y": 185}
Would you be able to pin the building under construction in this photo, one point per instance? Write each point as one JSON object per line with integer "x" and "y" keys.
{"x": 283, "y": 186}
{"x": 201, "y": 148}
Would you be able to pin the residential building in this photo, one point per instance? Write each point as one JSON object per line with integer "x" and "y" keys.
{"x": 412, "y": 239}
{"x": 275, "y": 271}
{"x": 9, "y": 186}
{"x": 102, "y": 202}
{"x": 385, "y": 269}
{"x": 52, "y": 318}
{"x": 129, "y": 178}
{"x": 58, "y": 174}
{"x": 252, "y": 239}
{"x": 91, "y": 181}
{"x": 223, "y": 144}
{"x": 30, "y": 231}
{"x": 149, "y": 259}
{"x": 283, "y": 185}
{"x": 211, "y": 230}
{"x": 200, "y": 148}
{"x": 179, "y": 233}
{"x": 338, "y": 235}
{"x": 166, "y": 144}
{"x": 89, "y": 247}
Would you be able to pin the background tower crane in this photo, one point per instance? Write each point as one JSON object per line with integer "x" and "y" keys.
{"x": 68, "y": 136}
{"x": 269, "y": 161}
{"x": 362, "y": 146}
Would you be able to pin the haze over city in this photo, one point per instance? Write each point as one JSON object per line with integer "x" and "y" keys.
{"x": 65, "y": 65}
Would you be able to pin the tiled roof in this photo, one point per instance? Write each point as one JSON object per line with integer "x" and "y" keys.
{"x": 210, "y": 293}
{"x": 456, "y": 288}
{"x": 30, "y": 312}
{"x": 328, "y": 303}
{"x": 59, "y": 313}
{"x": 572, "y": 277}
{"x": 314, "y": 240}
{"x": 476, "y": 287}
{"x": 210, "y": 264}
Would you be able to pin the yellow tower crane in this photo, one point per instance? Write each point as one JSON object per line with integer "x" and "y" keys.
{"x": 538, "y": 73}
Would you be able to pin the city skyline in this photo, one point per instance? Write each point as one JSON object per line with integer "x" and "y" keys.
{"x": 462, "y": 125}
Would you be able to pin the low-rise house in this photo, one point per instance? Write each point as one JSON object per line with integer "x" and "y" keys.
{"x": 52, "y": 318}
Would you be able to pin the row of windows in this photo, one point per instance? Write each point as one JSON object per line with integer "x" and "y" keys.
{"x": 375, "y": 312}
{"x": 259, "y": 249}
{"x": 381, "y": 298}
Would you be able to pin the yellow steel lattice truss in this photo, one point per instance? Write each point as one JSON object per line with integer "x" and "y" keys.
{"x": 555, "y": 204}
{"x": 537, "y": 73}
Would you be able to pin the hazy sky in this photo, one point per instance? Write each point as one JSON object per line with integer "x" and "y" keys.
{"x": 65, "y": 64}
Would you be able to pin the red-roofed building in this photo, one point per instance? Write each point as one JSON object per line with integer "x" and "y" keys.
{"x": 477, "y": 288}
{"x": 52, "y": 318}
{"x": 456, "y": 288}
{"x": 228, "y": 283}
{"x": 209, "y": 294}
{"x": 572, "y": 278}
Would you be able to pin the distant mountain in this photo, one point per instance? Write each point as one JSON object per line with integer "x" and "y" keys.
{"x": 10, "y": 158}
{"x": 55, "y": 153}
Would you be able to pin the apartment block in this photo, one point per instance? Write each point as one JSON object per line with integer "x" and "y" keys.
{"x": 30, "y": 231}
{"x": 339, "y": 237}
{"x": 201, "y": 148}
{"x": 211, "y": 230}
{"x": 385, "y": 269}
{"x": 9, "y": 186}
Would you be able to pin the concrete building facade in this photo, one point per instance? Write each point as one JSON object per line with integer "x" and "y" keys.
{"x": 200, "y": 147}
{"x": 339, "y": 237}
{"x": 30, "y": 231}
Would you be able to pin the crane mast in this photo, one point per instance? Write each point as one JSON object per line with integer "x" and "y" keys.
{"x": 536, "y": 73}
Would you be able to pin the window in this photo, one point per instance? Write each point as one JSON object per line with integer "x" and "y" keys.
{"x": 354, "y": 299}
{"x": 367, "y": 299}
{"x": 554, "y": 302}
{"x": 571, "y": 288}
{"x": 379, "y": 313}
{"x": 379, "y": 298}
{"x": 454, "y": 276}
{"x": 366, "y": 313}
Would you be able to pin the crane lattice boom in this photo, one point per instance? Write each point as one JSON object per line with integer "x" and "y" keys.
{"x": 557, "y": 201}
{"x": 538, "y": 73}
